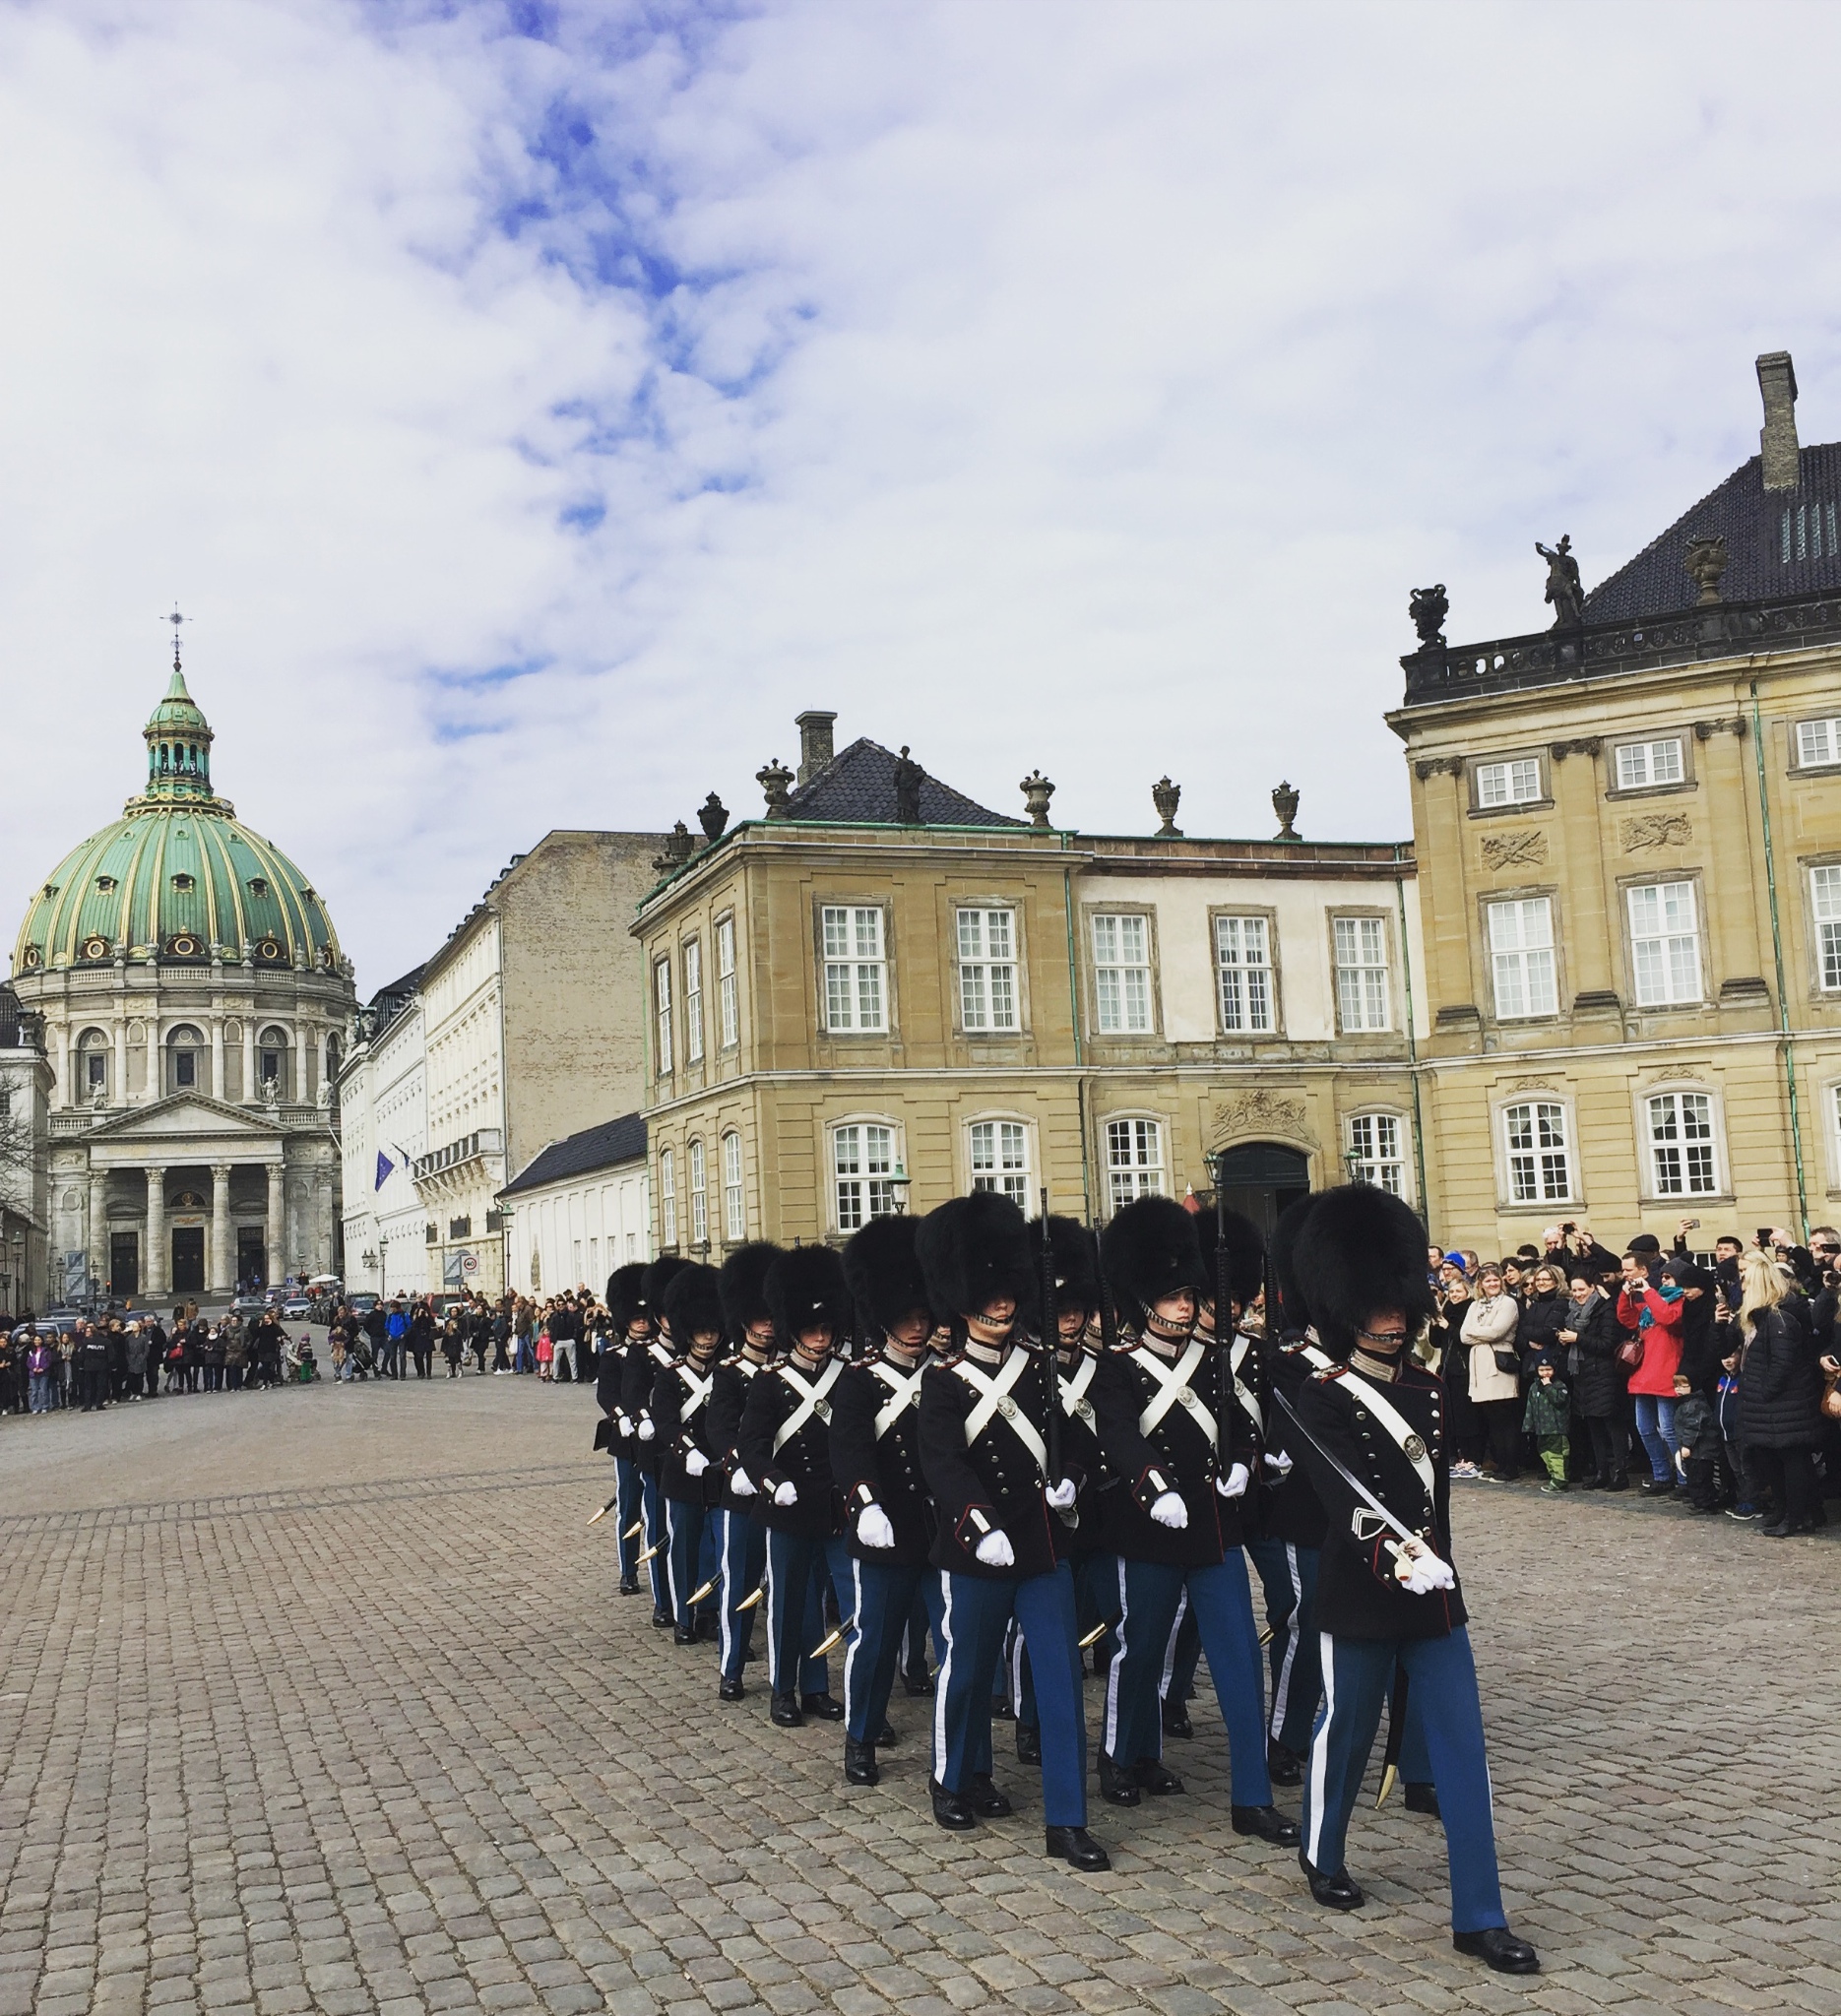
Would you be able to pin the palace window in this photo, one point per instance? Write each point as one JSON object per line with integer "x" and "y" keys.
{"x": 856, "y": 969}
{"x": 729, "y": 1006}
{"x": 1514, "y": 783}
{"x": 1818, "y": 743}
{"x": 734, "y": 1219}
{"x": 92, "y": 1075}
{"x": 667, "y": 1196}
{"x": 1134, "y": 1159}
{"x": 1362, "y": 996}
{"x": 1244, "y": 970}
{"x": 987, "y": 968}
{"x": 1681, "y": 1144}
{"x": 863, "y": 1159}
{"x": 1540, "y": 1163}
{"x": 999, "y": 1158}
{"x": 693, "y": 1002}
{"x": 1521, "y": 951}
{"x": 1375, "y": 1145}
{"x": 1642, "y": 765}
{"x": 1805, "y": 528}
{"x": 662, "y": 991}
{"x": 1825, "y": 893}
{"x": 1665, "y": 943}
{"x": 182, "y": 1051}
{"x": 1121, "y": 973}
{"x": 699, "y": 1194}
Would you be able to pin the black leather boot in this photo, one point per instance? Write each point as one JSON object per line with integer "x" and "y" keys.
{"x": 661, "y": 1619}
{"x": 787, "y": 1710}
{"x": 731, "y": 1690}
{"x": 629, "y": 1585}
{"x": 1340, "y": 1892}
{"x": 1028, "y": 1744}
{"x": 680, "y": 1636}
{"x": 822, "y": 1707}
{"x": 1117, "y": 1786}
{"x": 1177, "y": 1720}
{"x": 1156, "y": 1777}
{"x": 951, "y": 1809}
{"x": 859, "y": 1763}
{"x": 1267, "y": 1823}
{"x": 1076, "y": 1845}
{"x": 920, "y": 1683}
{"x": 887, "y": 1737}
{"x": 1284, "y": 1766}
{"x": 1497, "y": 1947}
{"x": 1422, "y": 1798}
{"x": 987, "y": 1803}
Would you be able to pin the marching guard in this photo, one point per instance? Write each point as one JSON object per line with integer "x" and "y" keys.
{"x": 743, "y": 1538}
{"x": 991, "y": 1434}
{"x": 1182, "y": 1452}
{"x": 633, "y": 1332}
{"x": 875, "y": 1456}
{"x": 690, "y": 1476}
{"x": 1371, "y": 1435}
{"x": 649, "y": 1353}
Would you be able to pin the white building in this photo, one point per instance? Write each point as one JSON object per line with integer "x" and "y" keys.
{"x": 383, "y": 1097}
{"x": 582, "y": 1209}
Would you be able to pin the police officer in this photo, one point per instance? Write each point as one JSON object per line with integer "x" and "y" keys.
{"x": 1372, "y": 1435}
{"x": 632, "y": 1330}
{"x": 646, "y": 1357}
{"x": 784, "y": 1451}
{"x": 875, "y": 1457}
{"x": 1182, "y": 1450}
{"x": 742, "y": 1536}
{"x": 690, "y": 1477}
{"x": 985, "y": 1451}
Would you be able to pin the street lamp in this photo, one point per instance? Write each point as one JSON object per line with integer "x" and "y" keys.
{"x": 1352, "y": 1161}
{"x": 898, "y": 1181}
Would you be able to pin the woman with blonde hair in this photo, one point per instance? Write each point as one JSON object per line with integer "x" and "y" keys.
{"x": 1780, "y": 1389}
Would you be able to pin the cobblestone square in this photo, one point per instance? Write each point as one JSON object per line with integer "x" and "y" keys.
{"x": 323, "y": 1700}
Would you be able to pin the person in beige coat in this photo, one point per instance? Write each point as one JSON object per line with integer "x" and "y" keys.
{"x": 1489, "y": 1327}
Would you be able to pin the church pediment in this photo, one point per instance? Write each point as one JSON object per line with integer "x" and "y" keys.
{"x": 186, "y": 1116}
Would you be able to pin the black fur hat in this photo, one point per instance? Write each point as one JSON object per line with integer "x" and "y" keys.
{"x": 1076, "y": 1267}
{"x": 1360, "y": 1250}
{"x": 974, "y": 1252}
{"x": 743, "y": 1280}
{"x": 693, "y": 1302}
{"x": 1149, "y": 1250}
{"x": 1294, "y": 1314}
{"x": 806, "y": 1287}
{"x": 627, "y": 1295}
{"x": 884, "y": 1273}
{"x": 656, "y": 1280}
{"x": 1247, "y": 1255}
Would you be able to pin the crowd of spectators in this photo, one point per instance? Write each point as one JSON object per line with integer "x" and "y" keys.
{"x": 111, "y": 1361}
{"x": 1711, "y": 1374}
{"x": 401, "y": 1338}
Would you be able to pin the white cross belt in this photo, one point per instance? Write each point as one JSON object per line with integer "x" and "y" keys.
{"x": 995, "y": 1399}
{"x": 1174, "y": 1389}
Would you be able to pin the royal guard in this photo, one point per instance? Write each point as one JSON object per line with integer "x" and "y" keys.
{"x": 784, "y": 1449}
{"x": 646, "y": 1357}
{"x": 743, "y": 1538}
{"x": 875, "y": 1457}
{"x": 690, "y": 1476}
{"x": 1003, "y": 1467}
{"x": 634, "y": 1327}
{"x": 1371, "y": 1430}
{"x": 1182, "y": 1451}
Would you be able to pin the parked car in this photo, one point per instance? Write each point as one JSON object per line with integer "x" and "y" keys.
{"x": 361, "y": 1304}
{"x": 296, "y": 1309}
{"x": 249, "y": 1305}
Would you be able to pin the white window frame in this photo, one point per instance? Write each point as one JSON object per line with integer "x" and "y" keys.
{"x": 1826, "y": 911}
{"x": 862, "y": 1154}
{"x": 1519, "y": 778}
{"x": 1818, "y": 743}
{"x": 988, "y": 1002}
{"x": 693, "y": 1000}
{"x": 998, "y": 1158}
{"x": 1377, "y": 1139}
{"x": 853, "y": 957}
{"x": 699, "y": 1190}
{"x": 1364, "y": 984}
{"x": 1523, "y": 959}
{"x": 1659, "y": 973}
{"x": 729, "y": 1006}
{"x": 1680, "y": 1130}
{"x": 1638, "y": 772}
{"x": 1135, "y": 1163}
{"x": 667, "y": 1197}
{"x": 734, "y": 1206}
{"x": 662, "y": 1000}
{"x": 1538, "y": 1151}
{"x": 1124, "y": 991}
{"x": 1246, "y": 990}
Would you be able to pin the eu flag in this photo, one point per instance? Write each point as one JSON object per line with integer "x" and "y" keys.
{"x": 384, "y": 1167}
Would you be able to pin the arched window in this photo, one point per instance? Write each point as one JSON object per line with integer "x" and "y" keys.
{"x": 699, "y": 1194}
{"x": 272, "y": 1061}
{"x": 667, "y": 1198}
{"x": 92, "y": 1065}
{"x": 735, "y": 1215}
{"x": 332, "y": 1058}
{"x": 184, "y": 1047}
{"x": 862, "y": 1167}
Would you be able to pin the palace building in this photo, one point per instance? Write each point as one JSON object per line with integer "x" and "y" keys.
{"x": 192, "y": 1001}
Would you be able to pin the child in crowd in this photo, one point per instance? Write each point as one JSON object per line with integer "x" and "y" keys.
{"x": 545, "y": 1352}
{"x": 1545, "y": 1418}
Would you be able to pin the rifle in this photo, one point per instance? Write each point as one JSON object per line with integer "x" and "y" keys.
{"x": 1109, "y": 1317}
{"x": 1051, "y": 1350}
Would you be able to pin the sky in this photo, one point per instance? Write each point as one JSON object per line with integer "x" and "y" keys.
{"x": 535, "y": 407}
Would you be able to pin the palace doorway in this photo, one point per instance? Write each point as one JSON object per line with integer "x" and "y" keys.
{"x": 1260, "y": 1178}
{"x": 188, "y": 1259}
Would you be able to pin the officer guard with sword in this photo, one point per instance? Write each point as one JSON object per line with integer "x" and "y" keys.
{"x": 743, "y": 1538}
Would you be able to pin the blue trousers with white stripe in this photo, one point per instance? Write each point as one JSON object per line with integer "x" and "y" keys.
{"x": 977, "y": 1613}
{"x": 689, "y": 1558}
{"x": 1154, "y": 1597}
{"x": 1288, "y": 1575}
{"x": 658, "y": 1540}
{"x": 630, "y": 1503}
{"x": 1442, "y": 1682}
{"x": 795, "y": 1572}
{"x": 743, "y": 1568}
{"x": 882, "y": 1596}
{"x": 1096, "y": 1579}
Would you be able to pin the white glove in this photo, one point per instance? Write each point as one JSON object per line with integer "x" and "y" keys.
{"x": 1062, "y": 1496}
{"x": 874, "y": 1527}
{"x": 1280, "y": 1465}
{"x": 788, "y": 1494}
{"x": 696, "y": 1463}
{"x": 1170, "y": 1510}
{"x": 995, "y": 1551}
{"x": 1233, "y": 1484}
{"x": 1422, "y": 1572}
{"x": 741, "y": 1484}
{"x": 645, "y": 1429}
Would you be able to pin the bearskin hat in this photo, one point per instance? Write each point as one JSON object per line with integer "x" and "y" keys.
{"x": 1360, "y": 1250}
{"x": 1293, "y": 1313}
{"x": 805, "y": 1287}
{"x": 1076, "y": 1267}
{"x": 884, "y": 1273}
{"x": 1150, "y": 1250}
{"x": 626, "y": 1296}
{"x": 656, "y": 1280}
{"x": 693, "y": 1302}
{"x": 1247, "y": 1255}
{"x": 975, "y": 1251}
{"x": 744, "y": 1282}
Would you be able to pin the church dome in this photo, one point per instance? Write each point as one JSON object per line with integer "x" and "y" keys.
{"x": 177, "y": 879}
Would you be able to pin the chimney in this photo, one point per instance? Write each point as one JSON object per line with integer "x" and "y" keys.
{"x": 1777, "y": 380}
{"x": 814, "y": 727}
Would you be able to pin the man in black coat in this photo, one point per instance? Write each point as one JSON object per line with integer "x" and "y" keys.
{"x": 1372, "y": 1433}
{"x": 743, "y": 1542}
{"x": 633, "y": 1328}
{"x": 649, "y": 1351}
{"x": 690, "y": 1476}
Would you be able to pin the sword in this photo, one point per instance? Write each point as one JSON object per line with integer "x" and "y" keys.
{"x": 595, "y": 1518}
{"x": 1354, "y": 1483}
{"x": 648, "y": 1555}
{"x": 747, "y": 1603}
{"x": 1396, "y": 1732}
{"x": 832, "y": 1638}
{"x": 1097, "y": 1633}
{"x": 635, "y": 1530}
{"x": 697, "y": 1594}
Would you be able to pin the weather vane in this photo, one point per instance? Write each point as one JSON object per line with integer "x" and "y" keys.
{"x": 175, "y": 619}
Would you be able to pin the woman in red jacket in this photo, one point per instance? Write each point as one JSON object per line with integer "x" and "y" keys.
{"x": 1653, "y": 1309}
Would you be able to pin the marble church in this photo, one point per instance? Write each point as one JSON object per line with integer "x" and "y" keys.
{"x": 194, "y": 1001}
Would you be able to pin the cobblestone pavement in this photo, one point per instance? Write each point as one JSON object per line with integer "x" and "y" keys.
{"x": 323, "y": 1701}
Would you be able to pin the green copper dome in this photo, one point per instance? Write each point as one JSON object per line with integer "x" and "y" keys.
{"x": 176, "y": 878}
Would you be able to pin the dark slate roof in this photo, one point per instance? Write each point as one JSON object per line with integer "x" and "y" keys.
{"x": 857, "y": 787}
{"x": 595, "y": 1148}
{"x": 1759, "y": 527}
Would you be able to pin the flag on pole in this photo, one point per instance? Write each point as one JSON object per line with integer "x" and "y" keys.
{"x": 384, "y": 1168}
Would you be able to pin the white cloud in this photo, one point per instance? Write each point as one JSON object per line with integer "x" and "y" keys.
{"x": 1053, "y": 383}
